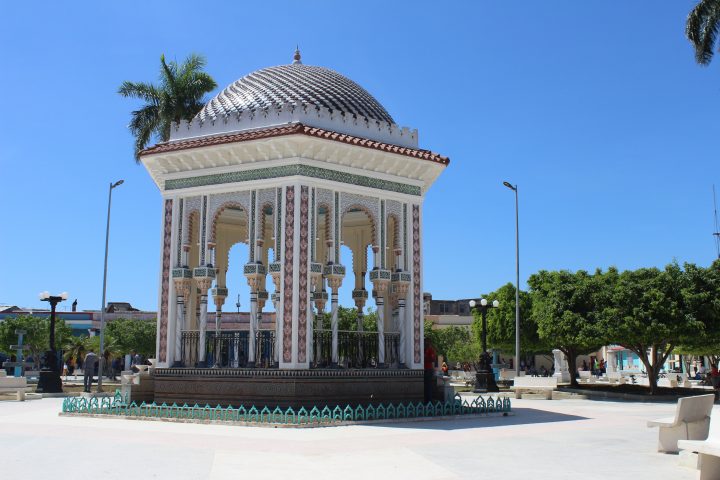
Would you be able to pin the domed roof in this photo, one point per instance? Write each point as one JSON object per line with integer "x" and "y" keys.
{"x": 298, "y": 85}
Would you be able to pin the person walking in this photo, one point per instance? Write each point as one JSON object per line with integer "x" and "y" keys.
{"x": 430, "y": 358}
{"x": 89, "y": 370}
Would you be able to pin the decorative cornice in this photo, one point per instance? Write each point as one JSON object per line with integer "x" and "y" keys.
{"x": 289, "y": 171}
{"x": 294, "y": 129}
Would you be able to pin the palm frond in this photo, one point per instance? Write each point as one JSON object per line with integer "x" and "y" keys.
{"x": 701, "y": 29}
{"x": 141, "y": 90}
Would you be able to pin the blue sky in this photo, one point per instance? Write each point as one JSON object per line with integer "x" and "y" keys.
{"x": 595, "y": 109}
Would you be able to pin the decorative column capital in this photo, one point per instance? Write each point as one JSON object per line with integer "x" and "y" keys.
{"x": 320, "y": 298}
{"x": 334, "y": 273}
{"x": 262, "y": 297}
{"x": 400, "y": 283}
{"x": 380, "y": 279}
{"x": 219, "y": 294}
{"x": 360, "y": 296}
{"x": 275, "y": 268}
{"x": 182, "y": 278}
{"x": 255, "y": 274}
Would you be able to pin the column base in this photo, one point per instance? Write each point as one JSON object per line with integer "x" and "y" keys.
{"x": 250, "y": 364}
{"x": 381, "y": 365}
{"x": 334, "y": 365}
{"x": 485, "y": 382}
{"x": 49, "y": 382}
{"x": 202, "y": 364}
{"x": 177, "y": 364}
{"x": 402, "y": 366}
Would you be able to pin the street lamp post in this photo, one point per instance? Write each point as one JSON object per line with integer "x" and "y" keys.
{"x": 49, "y": 381}
{"x": 514, "y": 188}
{"x": 484, "y": 378}
{"x": 101, "y": 353}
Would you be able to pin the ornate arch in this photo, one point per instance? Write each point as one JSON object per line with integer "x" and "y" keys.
{"x": 369, "y": 205}
{"x": 366, "y": 211}
{"x": 216, "y": 216}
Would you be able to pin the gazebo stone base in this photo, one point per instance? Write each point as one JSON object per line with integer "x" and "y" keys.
{"x": 285, "y": 388}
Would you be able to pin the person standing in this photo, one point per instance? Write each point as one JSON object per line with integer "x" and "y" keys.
{"x": 430, "y": 358}
{"x": 89, "y": 370}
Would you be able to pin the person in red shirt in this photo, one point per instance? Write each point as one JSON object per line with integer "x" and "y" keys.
{"x": 430, "y": 359}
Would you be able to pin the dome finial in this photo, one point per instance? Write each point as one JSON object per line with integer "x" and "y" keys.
{"x": 296, "y": 57}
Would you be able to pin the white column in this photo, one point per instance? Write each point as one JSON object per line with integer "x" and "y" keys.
{"x": 401, "y": 328}
{"x": 380, "y": 303}
{"x": 253, "y": 328}
{"x": 203, "y": 326}
{"x": 182, "y": 288}
{"x": 334, "y": 326}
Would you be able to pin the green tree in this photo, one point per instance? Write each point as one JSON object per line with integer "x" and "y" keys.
{"x": 347, "y": 319}
{"x": 179, "y": 96}
{"x": 565, "y": 307}
{"x": 37, "y": 336}
{"x": 454, "y": 343}
{"x": 702, "y": 299}
{"x": 125, "y": 335}
{"x": 701, "y": 29}
{"x": 648, "y": 315}
{"x": 501, "y": 323}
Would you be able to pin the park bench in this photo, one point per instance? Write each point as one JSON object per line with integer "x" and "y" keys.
{"x": 673, "y": 380}
{"x": 527, "y": 384}
{"x": 691, "y": 422}
{"x": 708, "y": 460}
{"x": 17, "y": 385}
{"x": 586, "y": 376}
{"x": 616, "y": 378}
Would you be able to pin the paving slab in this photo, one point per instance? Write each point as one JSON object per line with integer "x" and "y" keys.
{"x": 558, "y": 439}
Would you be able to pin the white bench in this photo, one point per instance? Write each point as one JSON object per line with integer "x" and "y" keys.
{"x": 708, "y": 456}
{"x": 586, "y": 376}
{"x": 534, "y": 384}
{"x": 674, "y": 379}
{"x": 17, "y": 385}
{"x": 616, "y": 378}
{"x": 691, "y": 422}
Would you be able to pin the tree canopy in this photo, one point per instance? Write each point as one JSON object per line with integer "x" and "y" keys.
{"x": 126, "y": 335}
{"x": 37, "y": 336}
{"x": 566, "y": 307}
{"x": 501, "y": 323}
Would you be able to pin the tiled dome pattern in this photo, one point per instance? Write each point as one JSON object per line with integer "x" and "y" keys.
{"x": 295, "y": 84}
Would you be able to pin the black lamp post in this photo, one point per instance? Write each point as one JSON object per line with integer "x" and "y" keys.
{"x": 485, "y": 378}
{"x": 49, "y": 381}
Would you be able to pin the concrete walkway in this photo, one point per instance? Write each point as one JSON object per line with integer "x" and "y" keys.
{"x": 562, "y": 439}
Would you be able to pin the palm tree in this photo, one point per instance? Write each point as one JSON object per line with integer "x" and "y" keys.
{"x": 179, "y": 96}
{"x": 702, "y": 28}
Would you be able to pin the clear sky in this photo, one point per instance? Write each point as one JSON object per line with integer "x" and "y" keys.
{"x": 595, "y": 109}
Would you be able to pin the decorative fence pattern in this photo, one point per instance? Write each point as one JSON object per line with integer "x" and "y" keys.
{"x": 315, "y": 416}
{"x": 355, "y": 349}
{"x": 228, "y": 349}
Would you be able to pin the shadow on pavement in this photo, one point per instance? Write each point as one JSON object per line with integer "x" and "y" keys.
{"x": 519, "y": 416}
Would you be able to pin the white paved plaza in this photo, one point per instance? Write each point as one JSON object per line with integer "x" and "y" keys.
{"x": 560, "y": 439}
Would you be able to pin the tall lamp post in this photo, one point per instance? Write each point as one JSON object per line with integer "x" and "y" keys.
{"x": 485, "y": 378}
{"x": 101, "y": 353}
{"x": 49, "y": 381}
{"x": 514, "y": 188}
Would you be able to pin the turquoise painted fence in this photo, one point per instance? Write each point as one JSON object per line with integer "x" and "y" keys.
{"x": 118, "y": 406}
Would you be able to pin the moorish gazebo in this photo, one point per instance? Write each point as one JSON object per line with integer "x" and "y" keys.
{"x": 295, "y": 161}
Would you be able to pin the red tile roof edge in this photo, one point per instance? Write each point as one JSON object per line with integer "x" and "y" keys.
{"x": 294, "y": 129}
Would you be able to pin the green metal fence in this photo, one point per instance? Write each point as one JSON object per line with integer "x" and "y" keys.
{"x": 118, "y": 406}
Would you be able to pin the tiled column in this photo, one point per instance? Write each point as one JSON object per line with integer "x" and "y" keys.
{"x": 203, "y": 277}
{"x": 182, "y": 278}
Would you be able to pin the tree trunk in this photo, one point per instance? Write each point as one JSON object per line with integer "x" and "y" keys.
{"x": 652, "y": 370}
{"x": 572, "y": 367}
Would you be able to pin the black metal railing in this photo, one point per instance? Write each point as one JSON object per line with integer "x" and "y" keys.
{"x": 355, "y": 349}
{"x": 229, "y": 349}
